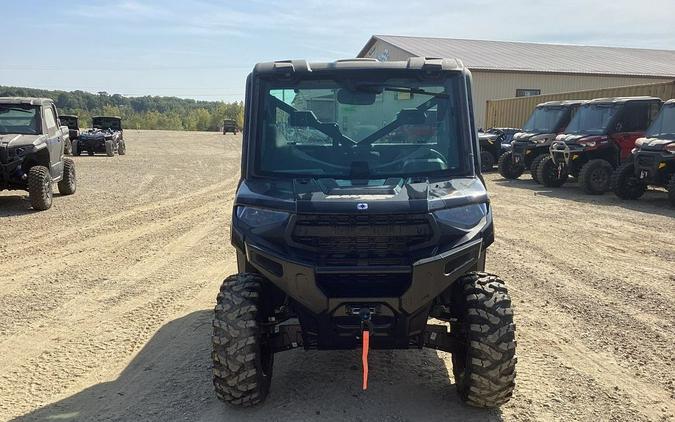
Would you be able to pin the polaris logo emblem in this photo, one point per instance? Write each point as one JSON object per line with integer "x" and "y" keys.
{"x": 361, "y": 206}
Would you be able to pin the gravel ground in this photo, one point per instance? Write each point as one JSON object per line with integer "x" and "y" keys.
{"x": 105, "y": 303}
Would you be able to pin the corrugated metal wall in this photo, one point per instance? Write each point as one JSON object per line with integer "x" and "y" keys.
{"x": 513, "y": 112}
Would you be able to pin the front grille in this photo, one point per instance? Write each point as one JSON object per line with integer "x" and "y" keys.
{"x": 364, "y": 285}
{"x": 362, "y": 239}
{"x": 645, "y": 161}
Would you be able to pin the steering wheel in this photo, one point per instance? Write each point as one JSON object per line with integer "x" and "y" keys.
{"x": 419, "y": 153}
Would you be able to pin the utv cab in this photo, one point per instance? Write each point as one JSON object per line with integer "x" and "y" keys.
{"x": 105, "y": 137}
{"x": 531, "y": 144}
{"x": 653, "y": 160}
{"x": 349, "y": 235}
{"x": 73, "y": 123}
{"x": 598, "y": 138}
{"x": 229, "y": 126}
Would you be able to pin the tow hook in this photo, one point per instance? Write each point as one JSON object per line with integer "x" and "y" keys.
{"x": 366, "y": 328}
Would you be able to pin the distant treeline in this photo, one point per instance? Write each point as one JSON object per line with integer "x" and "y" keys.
{"x": 170, "y": 113}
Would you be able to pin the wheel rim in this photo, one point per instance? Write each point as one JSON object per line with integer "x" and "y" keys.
{"x": 599, "y": 178}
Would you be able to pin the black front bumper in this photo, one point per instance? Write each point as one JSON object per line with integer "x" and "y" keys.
{"x": 399, "y": 318}
{"x": 522, "y": 153}
{"x": 11, "y": 175}
{"x": 93, "y": 145}
{"x": 654, "y": 167}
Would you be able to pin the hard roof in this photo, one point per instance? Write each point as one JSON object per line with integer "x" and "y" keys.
{"x": 298, "y": 66}
{"x": 25, "y": 100}
{"x": 670, "y": 102}
{"x": 561, "y": 103}
{"x": 621, "y": 100}
{"x": 534, "y": 57}
{"x": 107, "y": 117}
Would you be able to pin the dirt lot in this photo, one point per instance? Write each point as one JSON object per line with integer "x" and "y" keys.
{"x": 105, "y": 303}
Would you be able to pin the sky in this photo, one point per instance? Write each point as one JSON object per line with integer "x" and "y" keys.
{"x": 204, "y": 49}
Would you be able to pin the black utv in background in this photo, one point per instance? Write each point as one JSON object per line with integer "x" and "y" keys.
{"x": 73, "y": 124}
{"x": 229, "y": 126}
{"x": 531, "y": 145}
{"x": 31, "y": 150}
{"x": 599, "y": 137}
{"x": 105, "y": 137}
{"x": 493, "y": 143}
{"x": 354, "y": 225}
{"x": 652, "y": 161}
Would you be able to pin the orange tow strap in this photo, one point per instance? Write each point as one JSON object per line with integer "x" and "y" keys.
{"x": 364, "y": 357}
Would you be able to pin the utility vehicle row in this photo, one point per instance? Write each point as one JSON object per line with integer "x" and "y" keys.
{"x": 621, "y": 144}
{"x": 34, "y": 140}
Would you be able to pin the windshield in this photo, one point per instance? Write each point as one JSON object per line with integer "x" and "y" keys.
{"x": 664, "y": 125}
{"x": 69, "y": 121}
{"x": 351, "y": 129}
{"x": 546, "y": 119}
{"x": 106, "y": 123}
{"x": 20, "y": 119}
{"x": 592, "y": 119}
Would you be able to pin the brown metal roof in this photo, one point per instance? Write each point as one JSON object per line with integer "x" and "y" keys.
{"x": 533, "y": 57}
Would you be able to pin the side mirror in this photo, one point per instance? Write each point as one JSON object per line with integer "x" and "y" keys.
{"x": 303, "y": 118}
{"x": 411, "y": 117}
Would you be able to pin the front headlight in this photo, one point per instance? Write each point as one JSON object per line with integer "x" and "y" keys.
{"x": 587, "y": 144}
{"x": 257, "y": 217}
{"x": 465, "y": 217}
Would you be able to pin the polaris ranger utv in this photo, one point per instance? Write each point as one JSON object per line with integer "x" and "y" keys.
{"x": 653, "y": 160}
{"x": 106, "y": 136}
{"x": 599, "y": 137}
{"x": 531, "y": 145}
{"x": 31, "y": 150}
{"x": 350, "y": 237}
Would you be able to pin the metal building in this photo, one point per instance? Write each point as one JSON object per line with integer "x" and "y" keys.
{"x": 514, "y": 69}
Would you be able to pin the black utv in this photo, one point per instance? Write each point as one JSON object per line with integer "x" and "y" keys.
{"x": 73, "y": 124}
{"x": 105, "y": 137}
{"x": 349, "y": 236}
{"x": 493, "y": 144}
{"x": 600, "y": 136}
{"x": 531, "y": 145}
{"x": 229, "y": 125}
{"x": 653, "y": 160}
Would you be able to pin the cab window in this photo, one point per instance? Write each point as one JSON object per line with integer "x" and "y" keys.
{"x": 50, "y": 119}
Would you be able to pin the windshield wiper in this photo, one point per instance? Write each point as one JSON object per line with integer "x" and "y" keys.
{"x": 395, "y": 88}
{"x": 332, "y": 130}
{"x": 395, "y": 124}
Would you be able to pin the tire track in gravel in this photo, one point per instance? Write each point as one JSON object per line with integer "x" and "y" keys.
{"x": 120, "y": 329}
{"x": 127, "y": 216}
{"x": 36, "y": 298}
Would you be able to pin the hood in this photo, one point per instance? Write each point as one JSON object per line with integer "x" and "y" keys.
{"x": 93, "y": 134}
{"x": 16, "y": 140}
{"x": 483, "y": 136}
{"x": 570, "y": 138}
{"x": 654, "y": 144}
{"x": 532, "y": 136}
{"x": 391, "y": 196}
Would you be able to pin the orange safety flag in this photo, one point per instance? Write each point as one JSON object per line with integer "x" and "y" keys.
{"x": 364, "y": 357}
